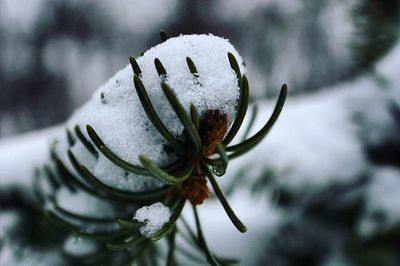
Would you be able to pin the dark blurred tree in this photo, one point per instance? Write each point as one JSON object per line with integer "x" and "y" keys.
{"x": 196, "y": 17}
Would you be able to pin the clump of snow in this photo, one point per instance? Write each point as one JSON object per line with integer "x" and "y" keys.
{"x": 154, "y": 217}
{"x": 115, "y": 111}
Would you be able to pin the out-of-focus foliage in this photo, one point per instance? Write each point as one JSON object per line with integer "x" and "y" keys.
{"x": 56, "y": 60}
{"x": 376, "y": 30}
{"x": 57, "y": 52}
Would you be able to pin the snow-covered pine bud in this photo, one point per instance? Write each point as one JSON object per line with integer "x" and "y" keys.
{"x": 155, "y": 132}
{"x": 116, "y": 113}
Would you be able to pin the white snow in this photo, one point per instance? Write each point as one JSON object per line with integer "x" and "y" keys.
{"x": 121, "y": 121}
{"x": 84, "y": 204}
{"x": 8, "y": 220}
{"x": 373, "y": 108}
{"x": 18, "y": 18}
{"x": 311, "y": 144}
{"x": 17, "y": 255}
{"x": 316, "y": 141}
{"x": 259, "y": 215}
{"x": 132, "y": 15}
{"x": 382, "y": 197}
{"x": 78, "y": 246}
{"x": 236, "y": 10}
{"x": 154, "y": 217}
{"x": 21, "y": 154}
{"x": 111, "y": 174}
{"x": 14, "y": 253}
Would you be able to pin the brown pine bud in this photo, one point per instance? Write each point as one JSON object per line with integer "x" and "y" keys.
{"x": 213, "y": 127}
{"x": 195, "y": 189}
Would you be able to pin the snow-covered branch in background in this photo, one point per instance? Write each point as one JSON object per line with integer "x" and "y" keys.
{"x": 324, "y": 140}
{"x": 156, "y": 132}
{"x": 318, "y": 141}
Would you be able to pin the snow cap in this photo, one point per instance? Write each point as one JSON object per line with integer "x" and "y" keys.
{"x": 117, "y": 115}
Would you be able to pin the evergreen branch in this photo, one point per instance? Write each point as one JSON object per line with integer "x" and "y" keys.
{"x": 163, "y": 35}
{"x": 53, "y": 180}
{"x": 83, "y": 218}
{"x": 153, "y": 116}
{"x": 136, "y": 240}
{"x": 136, "y": 253}
{"x": 64, "y": 175}
{"x": 112, "y": 192}
{"x": 129, "y": 224}
{"x": 135, "y": 66}
{"x": 163, "y": 176}
{"x": 94, "y": 258}
{"x": 235, "y": 66}
{"x": 220, "y": 165}
{"x": 183, "y": 117}
{"x": 231, "y": 214}
{"x": 250, "y": 143}
{"x": 195, "y": 116}
{"x": 201, "y": 240}
{"x": 251, "y": 122}
{"x": 112, "y": 156}
{"x": 241, "y": 113}
{"x": 172, "y": 220}
{"x": 160, "y": 68}
{"x": 37, "y": 188}
{"x": 192, "y": 67}
{"x": 70, "y": 138}
{"x": 191, "y": 256}
{"x": 194, "y": 239}
{"x": 171, "y": 250}
{"x": 89, "y": 146}
{"x": 190, "y": 231}
{"x": 77, "y": 230}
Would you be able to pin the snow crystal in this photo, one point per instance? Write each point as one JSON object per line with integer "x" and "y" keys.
{"x": 154, "y": 217}
{"x": 115, "y": 111}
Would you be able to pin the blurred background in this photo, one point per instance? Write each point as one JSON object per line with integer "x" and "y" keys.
{"x": 331, "y": 179}
{"x": 54, "y": 54}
